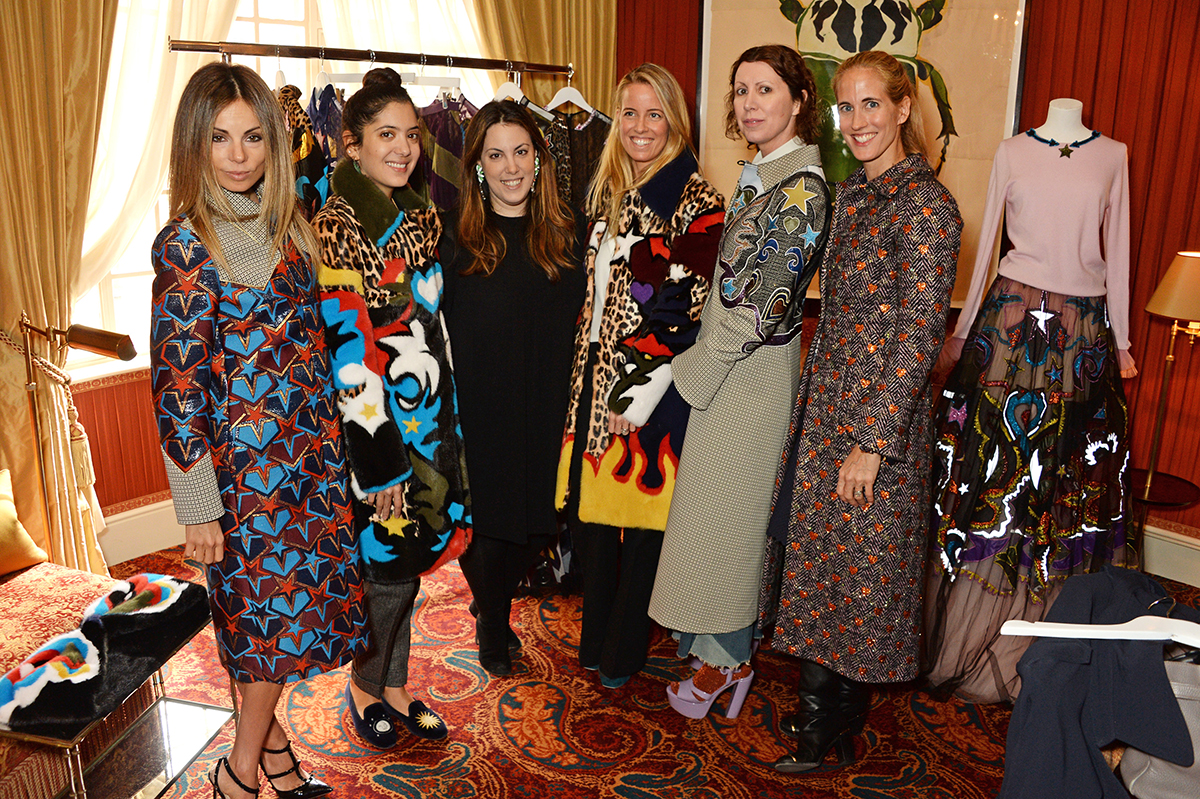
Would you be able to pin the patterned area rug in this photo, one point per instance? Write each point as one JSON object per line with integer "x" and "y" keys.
{"x": 551, "y": 730}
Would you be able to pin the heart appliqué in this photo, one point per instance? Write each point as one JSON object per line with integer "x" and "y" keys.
{"x": 642, "y": 292}
{"x": 791, "y": 224}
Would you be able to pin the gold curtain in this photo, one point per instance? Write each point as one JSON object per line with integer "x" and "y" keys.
{"x": 60, "y": 48}
{"x": 554, "y": 32}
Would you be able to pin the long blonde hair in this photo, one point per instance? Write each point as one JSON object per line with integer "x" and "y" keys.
{"x": 194, "y": 187}
{"x": 614, "y": 176}
{"x": 897, "y": 86}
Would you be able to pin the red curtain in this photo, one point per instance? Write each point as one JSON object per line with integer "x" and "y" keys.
{"x": 120, "y": 419}
{"x": 1135, "y": 66}
{"x": 664, "y": 32}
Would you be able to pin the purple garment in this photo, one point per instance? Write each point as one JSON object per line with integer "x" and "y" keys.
{"x": 441, "y": 155}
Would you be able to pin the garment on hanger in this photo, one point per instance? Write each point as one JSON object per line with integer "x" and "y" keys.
{"x": 1081, "y": 694}
{"x": 325, "y": 112}
{"x": 308, "y": 162}
{"x": 586, "y": 134}
{"x": 441, "y": 155}
{"x": 558, "y": 140}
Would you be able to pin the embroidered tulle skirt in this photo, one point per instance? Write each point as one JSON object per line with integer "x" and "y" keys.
{"x": 1030, "y": 475}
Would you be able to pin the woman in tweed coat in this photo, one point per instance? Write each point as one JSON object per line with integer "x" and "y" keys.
{"x": 741, "y": 376}
{"x": 843, "y": 575}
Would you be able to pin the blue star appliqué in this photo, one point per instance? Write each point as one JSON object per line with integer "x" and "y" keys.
{"x": 810, "y": 236}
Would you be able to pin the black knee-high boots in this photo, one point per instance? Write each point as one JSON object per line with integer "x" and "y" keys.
{"x": 831, "y": 712}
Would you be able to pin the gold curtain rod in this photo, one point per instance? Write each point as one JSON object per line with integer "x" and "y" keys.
{"x": 376, "y": 56}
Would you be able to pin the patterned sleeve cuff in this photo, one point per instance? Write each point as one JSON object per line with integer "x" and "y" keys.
{"x": 196, "y": 495}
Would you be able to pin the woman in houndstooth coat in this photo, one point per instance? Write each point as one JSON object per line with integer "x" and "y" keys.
{"x": 740, "y": 377}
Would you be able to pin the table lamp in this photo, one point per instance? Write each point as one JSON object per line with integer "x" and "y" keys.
{"x": 1177, "y": 298}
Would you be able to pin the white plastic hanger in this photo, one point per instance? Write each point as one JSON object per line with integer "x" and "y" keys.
{"x": 280, "y": 79}
{"x": 509, "y": 91}
{"x": 569, "y": 94}
{"x": 1143, "y": 628}
{"x": 323, "y": 77}
{"x": 442, "y": 82}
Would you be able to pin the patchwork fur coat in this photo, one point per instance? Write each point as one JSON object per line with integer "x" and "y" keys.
{"x": 667, "y": 237}
{"x": 381, "y": 291}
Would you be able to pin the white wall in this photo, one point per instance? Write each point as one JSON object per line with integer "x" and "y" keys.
{"x": 139, "y": 532}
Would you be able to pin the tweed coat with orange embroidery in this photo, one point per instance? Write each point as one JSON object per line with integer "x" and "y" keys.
{"x": 843, "y": 586}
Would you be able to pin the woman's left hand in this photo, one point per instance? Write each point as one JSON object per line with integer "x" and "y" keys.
{"x": 856, "y": 478}
{"x": 387, "y": 502}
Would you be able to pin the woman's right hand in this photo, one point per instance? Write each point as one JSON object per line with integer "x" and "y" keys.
{"x": 204, "y": 542}
{"x": 618, "y": 425}
{"x": 388, "y": 502}
{"x": 951, "y": 352}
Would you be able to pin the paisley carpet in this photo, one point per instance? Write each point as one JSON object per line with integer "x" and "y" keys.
{"x": 551, "y": 730}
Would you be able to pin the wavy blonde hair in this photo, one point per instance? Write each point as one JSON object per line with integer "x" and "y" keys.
{"x": 614, "y": 176}
{"x": 195, "y": 191}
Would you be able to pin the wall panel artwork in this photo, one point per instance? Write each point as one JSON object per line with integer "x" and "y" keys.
{"x": 964, "y": 56}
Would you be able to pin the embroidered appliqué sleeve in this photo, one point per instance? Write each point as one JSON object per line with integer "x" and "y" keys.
{"x": 673, "y": 321}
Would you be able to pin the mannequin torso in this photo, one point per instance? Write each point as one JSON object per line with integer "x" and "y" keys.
{"x": 1064, "y": 122}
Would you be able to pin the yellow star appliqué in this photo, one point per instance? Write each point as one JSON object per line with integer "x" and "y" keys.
{"x": 411, "y": 425}
{"x": 428, "y": 721}
{"x": 798, "y": 197}
{"x": 369, "y": 411}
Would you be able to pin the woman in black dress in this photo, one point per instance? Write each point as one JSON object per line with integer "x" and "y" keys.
{"x": 512, "y": 295}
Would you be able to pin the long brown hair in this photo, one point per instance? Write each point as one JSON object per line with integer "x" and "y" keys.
{"x": 897, "y": 86}
{"x": 791, "y": 69}
{"x": 614, "y": 176}
{"x": 194, "y": 187}
{"x": 551, "y": 232}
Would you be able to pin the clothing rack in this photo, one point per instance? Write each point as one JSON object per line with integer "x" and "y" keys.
{"x": 227, "y": 49}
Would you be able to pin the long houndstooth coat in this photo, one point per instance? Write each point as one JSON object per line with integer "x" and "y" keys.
{"x": 740, "y": 380}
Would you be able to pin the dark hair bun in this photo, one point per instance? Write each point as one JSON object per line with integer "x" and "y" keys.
{"x": 383, "y": 77}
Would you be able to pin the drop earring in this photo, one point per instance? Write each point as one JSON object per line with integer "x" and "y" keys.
{"x": 482, "y": 181}
{"x": 537, "y": 167}
{"x": 357, "y": 166}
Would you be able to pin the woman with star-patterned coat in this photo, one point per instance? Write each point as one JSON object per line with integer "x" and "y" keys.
{"x": 740, "y": 377}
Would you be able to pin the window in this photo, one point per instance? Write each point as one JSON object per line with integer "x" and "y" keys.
{"x": 121, "y": 300}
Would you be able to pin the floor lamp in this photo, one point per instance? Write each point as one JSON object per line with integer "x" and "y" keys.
{"x": 1177, "y": 298}
{"x": 101, "y": 342}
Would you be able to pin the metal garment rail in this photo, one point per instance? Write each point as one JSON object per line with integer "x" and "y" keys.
{"x": 376, "y": 56}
